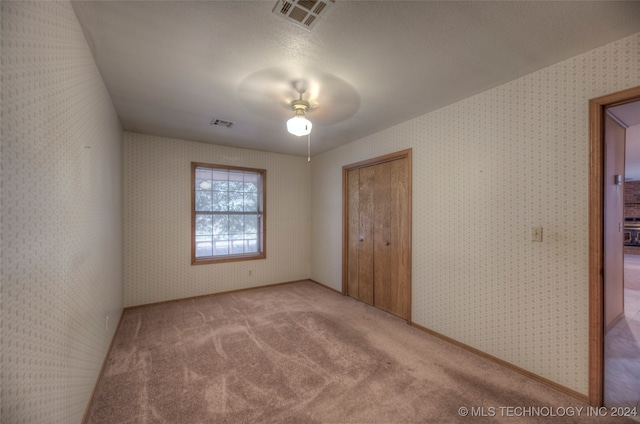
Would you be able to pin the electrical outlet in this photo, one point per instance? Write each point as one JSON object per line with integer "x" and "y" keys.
{"x": 250, "y": 273}
{"x": 536, "y": 234}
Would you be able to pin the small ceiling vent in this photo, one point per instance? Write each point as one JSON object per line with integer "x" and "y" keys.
{"x": 221, "y": 123}
{"x": 304, "y": 13}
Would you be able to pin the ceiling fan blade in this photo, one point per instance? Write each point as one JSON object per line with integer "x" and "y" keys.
{"x": 269, "y": 93}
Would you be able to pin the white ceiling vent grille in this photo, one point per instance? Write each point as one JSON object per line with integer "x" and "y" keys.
{"x": 221, "y": 123}
{"x": 304, "y": 13}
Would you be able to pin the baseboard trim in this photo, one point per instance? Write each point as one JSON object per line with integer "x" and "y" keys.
{"x": 543, "y": 380}
{"x": 87, "y": 409}
{"x": 182, "y": 299}
{"x": 327, "y": 287}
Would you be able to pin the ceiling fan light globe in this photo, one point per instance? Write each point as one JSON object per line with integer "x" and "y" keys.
{"x": 299, "y": 125}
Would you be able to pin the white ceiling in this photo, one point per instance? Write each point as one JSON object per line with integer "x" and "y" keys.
{"x": 173, "y": 66}
{"x": 628, "y": 114}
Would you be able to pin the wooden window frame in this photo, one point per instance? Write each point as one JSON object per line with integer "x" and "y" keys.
{"x": 262, "y": 254}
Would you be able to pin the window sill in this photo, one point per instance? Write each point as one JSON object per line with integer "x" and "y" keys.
{"x": 229, "y": 258}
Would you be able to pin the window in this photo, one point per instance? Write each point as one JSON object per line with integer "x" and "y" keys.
{"x": 228, "y": 213}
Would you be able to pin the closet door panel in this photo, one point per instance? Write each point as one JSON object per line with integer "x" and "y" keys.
{"x": 365, "y": 236}
{"x": 400, "y": 225}
{"x": 383, "y": 247}
{"x": 353, "y": 276}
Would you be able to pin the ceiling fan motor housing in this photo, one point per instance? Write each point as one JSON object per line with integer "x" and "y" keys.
{"x": 299, "y": 125}
{"x": 300, "y": 106}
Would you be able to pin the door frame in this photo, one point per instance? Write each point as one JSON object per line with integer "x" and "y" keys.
{"x": 597, "y": 111}
{"x": 345, "y": 214}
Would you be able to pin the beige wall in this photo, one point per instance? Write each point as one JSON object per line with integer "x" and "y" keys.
{"x": 486, "y": 170}
{"x": 61, "y": 254}
{"x": 157, "y": 220}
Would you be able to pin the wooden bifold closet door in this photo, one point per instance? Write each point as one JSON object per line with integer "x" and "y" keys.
{"x": 379, "y": 235}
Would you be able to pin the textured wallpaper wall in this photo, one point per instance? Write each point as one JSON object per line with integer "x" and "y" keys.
{"x": 157, "y": 220}
{"x": 61, "y": 222}
{"x": 486, "y": 170}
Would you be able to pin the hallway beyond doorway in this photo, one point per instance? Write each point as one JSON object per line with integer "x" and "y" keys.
{"x": 622, "y": 345}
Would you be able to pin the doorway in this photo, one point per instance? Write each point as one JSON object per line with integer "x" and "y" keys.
{"x": 622, "y": 277}
{"x": 377, "y": 232}
{"x": 598, "y": 233}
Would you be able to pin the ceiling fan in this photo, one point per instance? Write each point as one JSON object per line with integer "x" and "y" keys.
{"x": 299, "y": 125}
{"x": 274, "y": 92}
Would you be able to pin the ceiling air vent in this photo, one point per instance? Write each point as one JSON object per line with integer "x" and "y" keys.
{"x": 221, "y": 123}
{"x": 304, "y": 13}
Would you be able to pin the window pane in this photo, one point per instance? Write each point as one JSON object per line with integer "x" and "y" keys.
{"x": 220, "y": 186}
{"x": 204, "y": 174}
{"x": 203, "y": 249}
{"x": 204, "y": 184}
{"x": 236, "y": 176}
{"x": 236, "y": 181}
{"x": 237, "y": 246}
{"x": 221, "y": 248}
{"x": 236, "y": 201}
{"x": 251, "y": 202}
{"x": 251, "y": 187}
{"x": 204, "y": 225}
{"x": 228, "y": 206}
{"x": 251, "y": 224}
{"x": 236, "y": 224}
{"x": 220, "y": 224}
{"x": 236, "y": 186}
{"x": 250, "y": 246}
{"x": 220, "y": 201}
{"x": 220, "y": 175}
{"x": 203, "y": 200}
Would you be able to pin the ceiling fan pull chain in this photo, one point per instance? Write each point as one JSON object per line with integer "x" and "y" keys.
{"x": 309, "y": 148}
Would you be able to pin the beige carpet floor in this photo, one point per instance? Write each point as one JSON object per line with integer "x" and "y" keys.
{"x": 299, "y": 353}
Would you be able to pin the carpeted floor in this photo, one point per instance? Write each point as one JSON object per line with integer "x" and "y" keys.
{"x": 632, "y": 272}
{"x": 299, "y": 353}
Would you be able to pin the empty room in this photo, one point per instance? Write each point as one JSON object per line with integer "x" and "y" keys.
{"x": 319, "y": 211}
